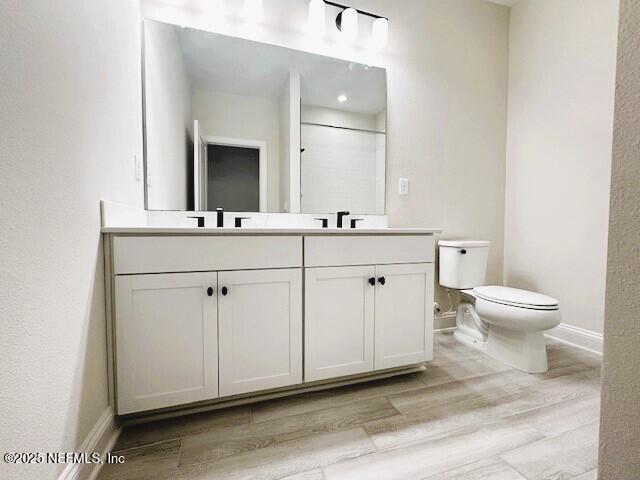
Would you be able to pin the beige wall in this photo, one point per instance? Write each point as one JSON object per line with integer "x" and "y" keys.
{"x": 561, "y": 85}
{"x": 70, "y": 113}
{"x": 620, "y": 420}
{"x": 446, "y": 79}
{"x": 446, "y": 118}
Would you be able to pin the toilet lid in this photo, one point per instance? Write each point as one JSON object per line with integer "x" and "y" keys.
{"x": 516, "y": 297}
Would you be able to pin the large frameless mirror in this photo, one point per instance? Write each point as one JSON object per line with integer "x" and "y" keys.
{"x": 248, "y": 126}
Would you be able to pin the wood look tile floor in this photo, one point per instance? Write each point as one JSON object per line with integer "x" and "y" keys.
{"x": 467, "y": 417}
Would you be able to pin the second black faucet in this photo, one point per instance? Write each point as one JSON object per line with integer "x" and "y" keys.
{"x": 340, "y": 215}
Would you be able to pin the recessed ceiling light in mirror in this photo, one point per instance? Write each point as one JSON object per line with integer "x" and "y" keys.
{"x": 342, "y": 98}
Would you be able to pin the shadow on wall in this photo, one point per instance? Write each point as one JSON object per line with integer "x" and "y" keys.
{"x": 90, "y": 378}
{"x": 189, "y": 167}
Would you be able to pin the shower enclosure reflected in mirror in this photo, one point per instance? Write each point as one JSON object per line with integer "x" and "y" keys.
{"x": 248, "y": 126}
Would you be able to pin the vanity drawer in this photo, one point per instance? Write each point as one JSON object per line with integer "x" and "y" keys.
{"x": 204, "y": 253}
{"x": 328, "y": 251}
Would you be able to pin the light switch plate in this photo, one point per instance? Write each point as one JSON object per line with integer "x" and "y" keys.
{"x": 403, "y": 186}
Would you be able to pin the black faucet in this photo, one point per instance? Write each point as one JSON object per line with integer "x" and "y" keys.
{"x": 238, "y": 222}
{"x": 220, "y": 217}
{"x": 325, "y": 222}
{"x": 340, "y": 215}
{"x": 200, "y": 221}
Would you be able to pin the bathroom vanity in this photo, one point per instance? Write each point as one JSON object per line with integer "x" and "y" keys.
{"x": 282, "y": 303}
{"x": 202, "y": 315}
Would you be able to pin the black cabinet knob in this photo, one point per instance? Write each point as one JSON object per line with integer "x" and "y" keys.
{"x": 463, "y": 251}
{"x": 210, "y": 291}
{"x": 381, "y": 280}
{"x": 224, "y": 290}
{"x": 372, "y": 281}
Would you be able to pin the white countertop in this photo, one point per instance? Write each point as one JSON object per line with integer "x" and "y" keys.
{"x": 145, "y": 230}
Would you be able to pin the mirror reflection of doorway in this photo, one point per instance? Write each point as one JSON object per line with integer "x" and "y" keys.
{"x": 233, "y": 178}
{"x": 229, "y": 172}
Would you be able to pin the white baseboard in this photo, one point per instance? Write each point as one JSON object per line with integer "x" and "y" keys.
{"x": 100, "y": 439}
{"x": 578, "y": 337}
{"x": 444, "y": 322}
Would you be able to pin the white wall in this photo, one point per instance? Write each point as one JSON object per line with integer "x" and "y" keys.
{"x": 342, "y": 169}
{"x": 169, "y": 123}
{"x": 620, "y": 418}
{"x": 338, "y": 170}
{"x": 236, "y": 116}
{"x": 561, "y": 88}
{"x": 338, "y": 118}
{"x": 294, "y": 142}
{"x": 289, "y": 115}
{"x": 285, "y": 144}
{"x": 70, "y": 119}
{"x": 446, "y": 92}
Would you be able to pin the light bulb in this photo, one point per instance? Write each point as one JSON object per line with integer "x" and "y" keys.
{"x": 342, "y": 98}
{"x": 316, "y": 17}
{"x": 379, "y": 33}
{"x": 349, "y": 24}
{"x": 252, "y": 10}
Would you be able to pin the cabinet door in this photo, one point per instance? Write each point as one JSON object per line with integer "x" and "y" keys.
{"x": 260, "y": 329}
{"x": 338, "y": 321}
{"x": 166, "y": 340}
{"x": 404, "y": 315}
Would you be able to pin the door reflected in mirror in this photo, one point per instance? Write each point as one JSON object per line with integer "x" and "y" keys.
{"x": 248, "y": 126}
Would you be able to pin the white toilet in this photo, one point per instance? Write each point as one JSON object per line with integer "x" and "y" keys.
{"x": 508, "y": 323}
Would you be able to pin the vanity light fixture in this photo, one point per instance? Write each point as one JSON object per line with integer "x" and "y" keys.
{"x": 252, "y": 10}
{"x": 347, "y": 23}
{"x": 379, "y": 33}
{"x": 342, "y": 98}
{"x": 316, "y": 17}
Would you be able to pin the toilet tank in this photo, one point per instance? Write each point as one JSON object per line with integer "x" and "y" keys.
{"x": 463, "y": 263}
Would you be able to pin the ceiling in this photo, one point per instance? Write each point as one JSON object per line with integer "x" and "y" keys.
{"x": 242, "y": 67}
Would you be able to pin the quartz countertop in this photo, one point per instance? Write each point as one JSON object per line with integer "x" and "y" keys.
{"x": 176, "y": 230}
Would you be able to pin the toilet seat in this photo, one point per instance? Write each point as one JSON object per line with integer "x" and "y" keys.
{"x": 515, "y": 297}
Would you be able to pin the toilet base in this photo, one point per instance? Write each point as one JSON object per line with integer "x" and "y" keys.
{"x": 467, "y": 330}
{"x": 526, "y": 351}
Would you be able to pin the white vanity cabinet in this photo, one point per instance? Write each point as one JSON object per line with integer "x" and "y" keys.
{"x": 260, "y": 330}
{"x": 222, "y": 317}
{"x": 167, "y": 339}
{"x": 231, "y": 323}
{"x": 403, "y": 314}
{"x": 373, "y": 316}
{"x": 339, "y": 321}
